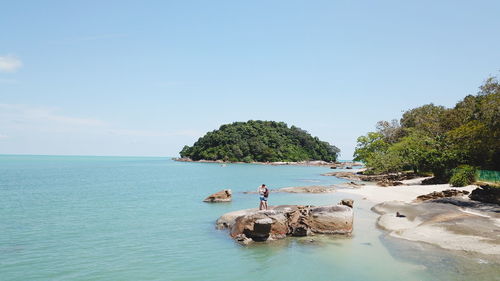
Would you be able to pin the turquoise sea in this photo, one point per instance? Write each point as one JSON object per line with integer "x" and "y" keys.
{"x": 142, "y": 218}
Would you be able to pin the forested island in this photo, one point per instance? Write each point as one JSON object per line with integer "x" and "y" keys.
{"x": 260, "y": 141}
{"x": 450, "y": 143}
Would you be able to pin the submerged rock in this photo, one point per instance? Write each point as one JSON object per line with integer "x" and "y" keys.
{"x": 287, "y": 220}
{"x": 307, "y": 189}
{"x": 221, "y": 196}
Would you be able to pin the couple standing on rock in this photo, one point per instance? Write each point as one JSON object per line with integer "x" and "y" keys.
{"x": 264, "y": 194}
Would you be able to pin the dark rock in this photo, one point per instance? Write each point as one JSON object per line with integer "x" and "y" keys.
{"x": 299, "y": 231}
{"x": 487, "y": 194}
{"x": 434, "y": 180}
{"x": 386, "y": 182}
{"x": 347, "y": 202}
{"x": 343, "y": 175}
{"x": 261, "y": 230}
{"x": 345, "y": 165}
{"x": 441, "y": 194}
{"x": 372, "y": 178}
{"x": 221, "y": 196}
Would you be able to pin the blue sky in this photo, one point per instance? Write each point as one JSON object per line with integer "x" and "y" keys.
{"x": 147, "y": 77}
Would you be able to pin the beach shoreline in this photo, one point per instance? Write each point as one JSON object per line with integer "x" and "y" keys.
{"x": 320, "y": 163}
{"x": 453, "y": 223}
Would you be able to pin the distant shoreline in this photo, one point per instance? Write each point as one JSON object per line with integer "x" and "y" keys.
{"x": 341, "y": 165}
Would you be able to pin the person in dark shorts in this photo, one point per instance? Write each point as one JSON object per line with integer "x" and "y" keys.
{"x": 263, "y": 194}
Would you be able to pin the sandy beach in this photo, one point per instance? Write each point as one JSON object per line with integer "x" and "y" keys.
{"x": 406, "y": 193}
{"x": 456, "y": 223}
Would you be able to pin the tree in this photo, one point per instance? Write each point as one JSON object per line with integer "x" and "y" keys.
{"x": 391, "y": 131}
{"x": 438, "y": 139}
{"x": 260, "y": 141}
{"x": 368, "y": 146}
{"x": 426, "y": 118}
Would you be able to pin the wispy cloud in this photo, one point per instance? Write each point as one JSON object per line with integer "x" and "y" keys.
{"x": 10, "y": 63}
{"x": 20, "y": 113}
{"x": 48, "y": 119}
{"x": 153, "y": 133}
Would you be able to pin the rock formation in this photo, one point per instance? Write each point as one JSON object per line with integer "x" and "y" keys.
{"x": 287, "y": 220}
{"x": 221, "y": 196}
{"x": 487, "y": 194}
{"x": 347, "y": 202}
{"x": 386, "y": 182}
{"x": 441, "y": 194}
{"x": 307, "y": 189}
{"x": 393, "y": 177}
{"x": 449, "y": 226}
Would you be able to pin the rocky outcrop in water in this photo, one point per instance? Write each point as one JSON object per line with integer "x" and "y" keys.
{"x": 441, "y": 194}
{"x": 281, "y": 221}
{"x": 347, "y": 202}
{"x": 221, "y": 196}
{"x": 307, "y": 189}
{"x": 390, "y": 178}
{"x": 300, "y": 189}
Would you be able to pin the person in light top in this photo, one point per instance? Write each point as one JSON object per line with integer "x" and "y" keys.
{"x": 263, "y": 194}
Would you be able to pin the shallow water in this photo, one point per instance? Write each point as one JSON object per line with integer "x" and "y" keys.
{"x": 134, "y": 218}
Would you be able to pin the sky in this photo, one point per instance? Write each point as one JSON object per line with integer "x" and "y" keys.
{"x": 145, "y": 78}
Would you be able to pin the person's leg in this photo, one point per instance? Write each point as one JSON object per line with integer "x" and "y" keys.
{"x": 261, "y": 205}
{"x": 265, "y": 204}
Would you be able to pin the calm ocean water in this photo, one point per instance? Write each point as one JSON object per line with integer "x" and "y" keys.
{"x": 137, "y": 218}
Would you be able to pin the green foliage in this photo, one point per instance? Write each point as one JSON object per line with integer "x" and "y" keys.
{"x": 436, "y": 139}
{"x": 370, "y": 145}
{"x": 262, "y": 141}
{"x": 416, "y": 151}
{"x": 426, "y": 119}
{"x": 463, "y": 176}
{"x": 385, "y": 162}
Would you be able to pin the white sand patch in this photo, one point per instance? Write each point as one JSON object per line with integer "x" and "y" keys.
{"x": 405, "y": 193}
{"x": 448, "y": 240}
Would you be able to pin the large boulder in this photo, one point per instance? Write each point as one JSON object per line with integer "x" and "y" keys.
{"x": 331, "y": 219}
{"x": 487, "y": 194}
{"x": 245, "y": 224}
{"x": 221, "y": 196}
{"x": 287, "y": 220}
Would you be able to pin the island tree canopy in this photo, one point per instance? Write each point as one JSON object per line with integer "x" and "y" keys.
{"x": 262, "y": 141}
{"x": 436, "y": 139}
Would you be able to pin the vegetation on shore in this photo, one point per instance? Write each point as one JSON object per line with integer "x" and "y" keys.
{"x": 261, "y": 141}
{"x": 432, "y": 138}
